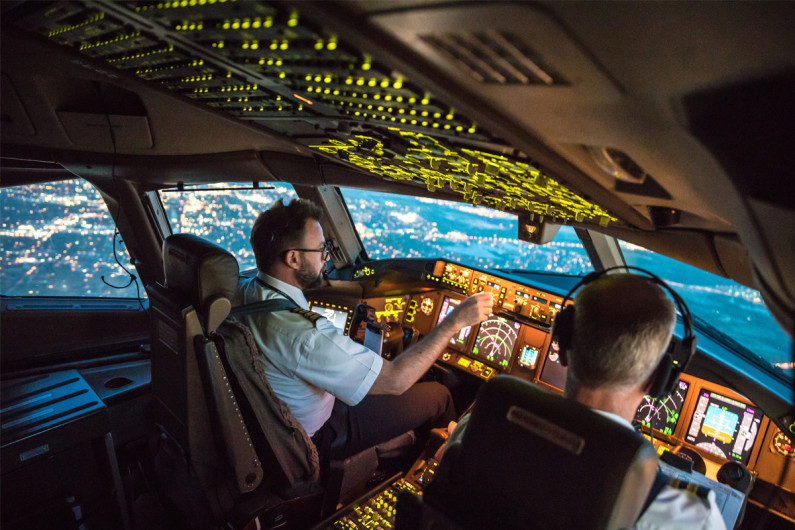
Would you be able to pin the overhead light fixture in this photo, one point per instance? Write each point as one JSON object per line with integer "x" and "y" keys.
{"x": 617, "y": 164}
{"x": 534, "y": 229}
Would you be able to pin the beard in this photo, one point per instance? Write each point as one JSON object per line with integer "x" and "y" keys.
{"x": 308, "y": 278}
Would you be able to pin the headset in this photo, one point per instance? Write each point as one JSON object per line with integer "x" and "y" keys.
{"x": 676, "y": 357}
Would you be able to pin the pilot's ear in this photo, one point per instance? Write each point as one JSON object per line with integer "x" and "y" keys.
{"x": 290, "y": 258}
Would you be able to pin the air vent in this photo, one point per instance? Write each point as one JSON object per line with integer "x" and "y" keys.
{"x": 494, "y": 57}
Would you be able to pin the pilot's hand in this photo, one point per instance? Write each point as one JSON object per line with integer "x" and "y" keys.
{"x": 473, "y": 310}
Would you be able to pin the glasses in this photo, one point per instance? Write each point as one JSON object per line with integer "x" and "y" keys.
{"x": 326, "y": 250}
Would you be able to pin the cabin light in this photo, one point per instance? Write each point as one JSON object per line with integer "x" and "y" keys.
{"x": 617, "y": 164}
{"x": 663, "y": 216}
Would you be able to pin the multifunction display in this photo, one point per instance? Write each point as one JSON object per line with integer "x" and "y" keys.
{"x": 663, "y": 414}
{"x": 724, "y": 427}
{"x": 495, "y": 340}
{"x": 459, "y": 340}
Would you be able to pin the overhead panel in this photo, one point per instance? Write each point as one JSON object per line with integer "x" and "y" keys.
{"x": 266, "y": 63}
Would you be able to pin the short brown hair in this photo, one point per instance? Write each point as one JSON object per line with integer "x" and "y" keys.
{"x": 280, "y": 227}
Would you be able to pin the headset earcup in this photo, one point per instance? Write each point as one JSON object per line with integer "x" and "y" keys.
{"x": 563, "y": 328}
{"x": 662, "y": 385}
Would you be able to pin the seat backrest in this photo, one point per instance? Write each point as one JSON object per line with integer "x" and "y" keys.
{"x": 530, "y": 459}
{"x": 192, "y": 392}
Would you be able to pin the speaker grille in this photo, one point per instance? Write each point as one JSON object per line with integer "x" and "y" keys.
{"x": 494, "y": 57}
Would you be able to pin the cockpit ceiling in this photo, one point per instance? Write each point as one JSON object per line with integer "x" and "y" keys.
{"x": 267, "y": 64}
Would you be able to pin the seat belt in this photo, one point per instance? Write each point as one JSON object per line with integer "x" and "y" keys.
{"x": 265, "y": 306}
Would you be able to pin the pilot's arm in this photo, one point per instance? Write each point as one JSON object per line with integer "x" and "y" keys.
{"x": 397, "y": 376}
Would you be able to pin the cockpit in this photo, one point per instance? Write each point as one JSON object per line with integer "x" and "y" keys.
{"x": 455, "y": 148}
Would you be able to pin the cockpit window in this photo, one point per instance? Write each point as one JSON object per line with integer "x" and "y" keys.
{"x": 731, "y": 308}
{"x": 397, "y": 226}
{"x": 222, "y": 213}
{"x": 58, "y": 240}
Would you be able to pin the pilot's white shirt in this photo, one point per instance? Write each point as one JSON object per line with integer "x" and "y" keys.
{"x": 674, "y": 508}
{"x": 307, "y": 363}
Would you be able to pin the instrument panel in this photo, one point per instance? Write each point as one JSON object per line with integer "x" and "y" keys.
{"x": 520, "y": 299}
{"x": 699, "y": 417}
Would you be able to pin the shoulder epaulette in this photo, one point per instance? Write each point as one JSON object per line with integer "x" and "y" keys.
{"x": 692, "y": 487}
{"x": 307, "y": 314}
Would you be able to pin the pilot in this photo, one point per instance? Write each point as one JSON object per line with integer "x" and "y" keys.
{"x": 345, "y": 396}
{"x": 622, "y": 326}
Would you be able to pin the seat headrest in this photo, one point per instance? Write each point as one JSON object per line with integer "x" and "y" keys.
{"x": 199, "y": 270}
{"x": 581, "y": 469}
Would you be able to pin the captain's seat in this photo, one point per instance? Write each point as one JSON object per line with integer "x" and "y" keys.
{"x": 246, "y": 452}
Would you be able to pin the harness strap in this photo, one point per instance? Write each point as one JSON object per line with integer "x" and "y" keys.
{"x": 660, "y": 480}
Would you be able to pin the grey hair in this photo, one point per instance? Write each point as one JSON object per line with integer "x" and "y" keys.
{"x": 622, "y": 326}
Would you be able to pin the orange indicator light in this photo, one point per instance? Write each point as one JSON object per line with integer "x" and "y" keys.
{"x": 296, "y": 96}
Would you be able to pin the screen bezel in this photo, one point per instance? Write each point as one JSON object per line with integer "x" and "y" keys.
{"x": 682, "y": 409}
{"x": 696, "y": 396}
{"x": 461, "y": 348}
{"x": 348, "y": 314}
{"x": 486, "y": 361}
{"x": 543, "y": 368}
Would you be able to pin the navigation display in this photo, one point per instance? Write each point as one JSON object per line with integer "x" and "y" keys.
{"x": 337, "y": 317}
{"x": 724, "y": 427}
{"x": 663, "y": 415}
{"x": 495, "y": 340}
{"x": 459, "y": 340}
{"x": 553, "y": 373}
